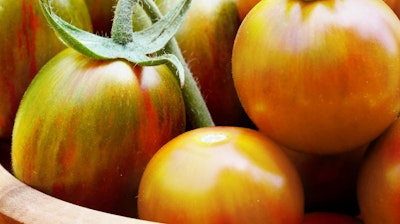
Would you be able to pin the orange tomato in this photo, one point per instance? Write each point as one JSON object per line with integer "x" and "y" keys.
{"x": 378, "y": 186}
{"x": 319, "y": 76}
{"x": 221, "y": 175}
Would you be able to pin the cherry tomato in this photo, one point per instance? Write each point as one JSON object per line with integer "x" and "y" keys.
{"x": 86, "y": 129}
{"x": 319, "y": 76}
{"x": 378, "y": 186}
{"x": 221, "y": 175}
{"x": 27, "y": 43}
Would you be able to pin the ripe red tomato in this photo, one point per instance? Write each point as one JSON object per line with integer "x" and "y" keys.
{"x": 27, "y": 43}
{"x": 329, "y": 218}
{"x": 379, "y": 180}
{"x": 221, "y": 175}
{"x": 86, "y": 129}
{"x": 319, "y": 76}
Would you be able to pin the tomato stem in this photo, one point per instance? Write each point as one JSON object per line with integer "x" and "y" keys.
{"x": 153, "y": 45}
{"x": 196, "y": 107}
{"x": 121, "y": 31}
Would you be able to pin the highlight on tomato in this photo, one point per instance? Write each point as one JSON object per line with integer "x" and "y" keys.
{"x": 27, "y": 43}
{"x": 378, "y": 188}
{"x": 221, "y": 175}
{"x": 314, "y": 83}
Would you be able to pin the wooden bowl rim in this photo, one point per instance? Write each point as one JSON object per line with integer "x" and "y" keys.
{"x": 20, "y": 203}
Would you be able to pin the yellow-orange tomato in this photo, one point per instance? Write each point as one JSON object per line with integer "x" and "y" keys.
{"x": 378, "y": 186}
{"x": 319, "y": 76}
{"x": 221, "y": 175}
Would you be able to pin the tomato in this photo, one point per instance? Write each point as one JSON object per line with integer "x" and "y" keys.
{"x": 86, "y": 129}
{"x": 378, "y": 186}
{"x": 319, "y": 76}
{"x": 329, "y": 181}
{"x": 27, "y": 43}
{"x": 221, "y": 175}
{"x": 329, "y": 218}
{"x": 206, "y": 39}
{"x": 244, "y": 6}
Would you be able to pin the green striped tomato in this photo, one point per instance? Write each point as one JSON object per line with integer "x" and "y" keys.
{"x": 86, "y": 128}
{"x": 27, "y": 43}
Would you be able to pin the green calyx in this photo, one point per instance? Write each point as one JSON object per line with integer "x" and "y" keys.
{"x": 152, "y": 45}
{"x": 141, "y": 47}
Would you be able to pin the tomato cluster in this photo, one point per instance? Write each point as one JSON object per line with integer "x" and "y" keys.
{"x": 304, "y": 96}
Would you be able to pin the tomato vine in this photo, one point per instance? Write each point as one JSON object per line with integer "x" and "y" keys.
{"x": 151, "y": 46}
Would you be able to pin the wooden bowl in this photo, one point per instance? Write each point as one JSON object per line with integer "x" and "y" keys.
{"x": 20, "y": 203}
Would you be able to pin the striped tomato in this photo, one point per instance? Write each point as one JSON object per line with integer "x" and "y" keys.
{"x": 27, "y": 42}
{"x": 221, "y": 175}
{"x": 319, "y": 76}
{"x": 86, "y": 128}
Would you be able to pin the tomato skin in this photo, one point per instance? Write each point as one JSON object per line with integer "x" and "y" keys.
{"x": 378, "y": 188}
{"x": 27, "y": 43}
{"x": 319, "y": 76}
{"x": 221, "y": 175}
{"x": 244, "y": 6}
{"x": 86, "y": 129}
{"x": 206, "y": 39}
{"x": 329, "y": 218}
